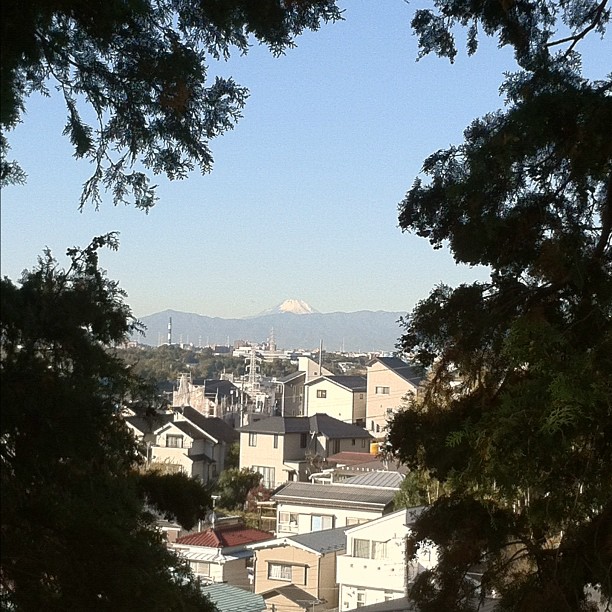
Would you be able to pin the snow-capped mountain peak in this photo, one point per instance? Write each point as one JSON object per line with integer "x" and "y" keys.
{"x": 292, "y": 306}
{"x": 296, "y": 307}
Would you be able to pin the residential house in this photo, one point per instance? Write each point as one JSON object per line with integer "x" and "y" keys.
{"x": 184, "y": 441}
{"x": 343, "y": 397}
{"x": 221, "y": 553}
{"x": 291, "y": 388}
{"x": 306, "y": 507}
{"x": 375, "y": 567}
{"x": 284, "y": 449}
{"x": 389, "y": 381}
{"x": 299, "y": 572}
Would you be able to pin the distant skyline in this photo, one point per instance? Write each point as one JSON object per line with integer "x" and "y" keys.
{"x": 302, "y": 200}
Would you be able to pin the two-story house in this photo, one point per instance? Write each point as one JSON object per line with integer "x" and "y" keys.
{"x": 376, "y": 567}
{"x": 303, "y": 507}
{"x": 291, "y": 388}
{"x": 284, "y": 449}
{"x": 299, "y": 572}
{"x": 184, "y": 441}
{"x": 221, "y": 553}
{"x": 389, "y": 381}
{"x": 343, "y": 397}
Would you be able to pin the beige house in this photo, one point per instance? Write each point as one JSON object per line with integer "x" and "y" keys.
{"x": 291, "y": 388}
{"x": 342, "y": 397}
{"x": 284, "y": 449}
{"x": 184, "y": 441}
{"x": 299, "y": 572}
{"x": 389, "y": 381}
{"x": 221, "y": 554}
{"x": 308, "y": 507}
{"x": 375, "y": 567}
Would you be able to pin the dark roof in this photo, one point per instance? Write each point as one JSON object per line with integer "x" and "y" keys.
{"x": 149, "y": 423}
{"x": 189, "y": 429}
{"x": 228, "y": 598}
{"x": 277, "y": 424}
{"x": 320, "y": 423}
{"x": 353, "y": 383}
{"x": 410, "y": 373}
{"x": 325, "y": 541}
{"x": 333, "y": 495}
{"x": 334, "y": 428}
{"x": 290, "y": 377}
{"x": 201, "y": 457}
{"x": 213, "y": 426}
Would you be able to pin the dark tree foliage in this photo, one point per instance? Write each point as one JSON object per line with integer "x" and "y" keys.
{"x": 134, "y": 78}
{"x": 234, "y": 485}
{"x": 77, "y": 532}
{"x": 517, "y": 416}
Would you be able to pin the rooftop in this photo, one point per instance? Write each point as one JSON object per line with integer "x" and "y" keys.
{"x": 236, "y": 535}
{"x": 334, "y": 495}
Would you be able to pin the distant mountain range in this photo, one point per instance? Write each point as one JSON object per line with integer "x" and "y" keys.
{"x": 294, "y": 323}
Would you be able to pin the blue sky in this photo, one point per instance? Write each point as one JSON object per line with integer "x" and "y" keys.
{"x": 302, "y": 200}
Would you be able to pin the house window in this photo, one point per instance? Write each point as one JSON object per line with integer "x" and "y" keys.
{"x": 319, "y": 522}
{"x": 336, "y": 446}
{"x": 355, "y": 521}
{"x": 267, "y": 475}
{"x": 275, "y": 440}
{"x": 361, "y": 548}
{"x": 379, "y": 550}
{"x": 364, "y": 443}
{"x": 361, "y": 598}
{"x": 353, "y": 442}
{"x": 288, "y": 521}
{"x": 383, "y": 390}
{"x": 361, "y": 396}
{"x": 321, "y": 393}
{"x": 201, "y": 568}
{"x": 252, "y": 439}
{"x": 173, "y": 441}
{"x": 303, "y": 440}
{"x": 279, "y": 571}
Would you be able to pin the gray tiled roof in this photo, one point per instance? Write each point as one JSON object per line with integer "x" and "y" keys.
{"x": 385, "y": 480}
{"x": 229, "y": 598}
{"x": 217, "y": 428}
{"x": 149, "y": 423}
{"x": 277, "y": 424}
{"x": 332, "y": 495}
{"x": 354, "y": 383}
{"x": 334, "y": 428}
{"x": 189, "y": 429}
{"x": 320, "y": 423}
{"x": 410, "y": 373}
{"x": 324, "y": 541}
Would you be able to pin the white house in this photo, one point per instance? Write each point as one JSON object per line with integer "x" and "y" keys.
{"x": 375, "y": 567}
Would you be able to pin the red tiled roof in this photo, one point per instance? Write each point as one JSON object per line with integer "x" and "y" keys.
{"x": 224, "y": 538}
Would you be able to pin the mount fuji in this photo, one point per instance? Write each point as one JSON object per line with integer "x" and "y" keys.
{"x": 296, "y": 325}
